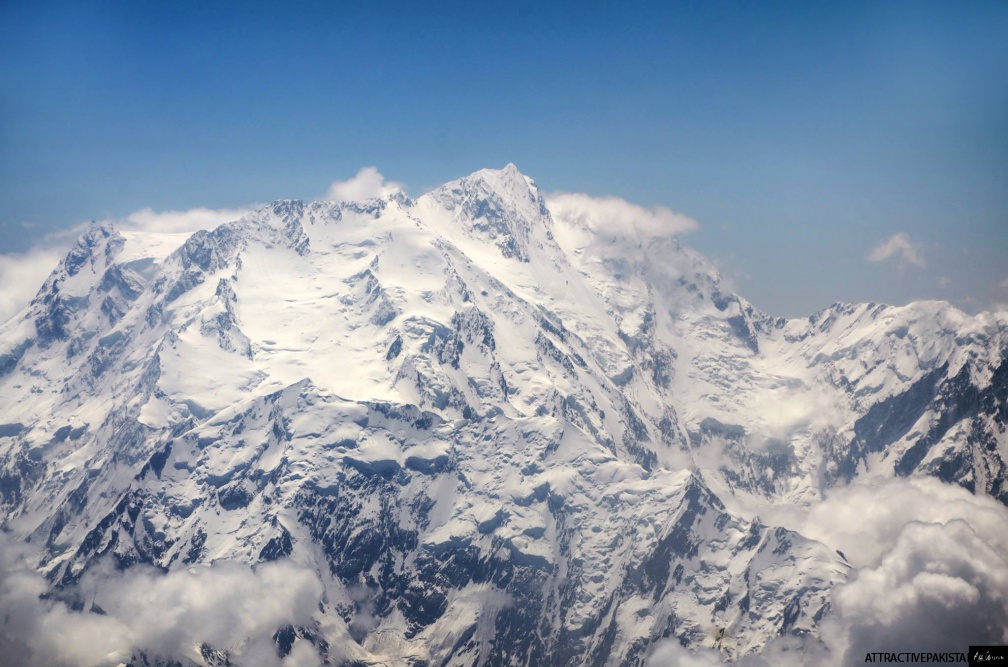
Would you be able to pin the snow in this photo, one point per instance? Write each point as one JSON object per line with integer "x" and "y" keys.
{"x": 464, "y": 375}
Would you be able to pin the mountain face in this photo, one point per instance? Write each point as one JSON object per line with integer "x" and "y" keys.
{"x": 494, "y": 432}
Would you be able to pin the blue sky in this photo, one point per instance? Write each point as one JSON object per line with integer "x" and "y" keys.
{"x": 801, "y": 136}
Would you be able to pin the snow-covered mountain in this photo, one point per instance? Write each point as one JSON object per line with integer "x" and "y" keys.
{"x": 491, "y": 428}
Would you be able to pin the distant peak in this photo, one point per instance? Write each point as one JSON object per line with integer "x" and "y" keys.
{"x": 508, "y": 173}
{"x": 512, "y": 188}
{"x": 97, "y": 231}
{"x": 88, "y": 244}
{"x": 501, "y": 205}
{"x": 287, "y": 207}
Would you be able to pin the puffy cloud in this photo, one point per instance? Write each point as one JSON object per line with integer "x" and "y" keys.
{"x": 616, "y": 217}
{"x": 35, "y": 632}
{"x": 610, "y": 238}
{"x": 791, "y": 407}
{"x": 930, "y": 574}
{"x": 367, "y": 184}
{"x": 866, "y": 520}
{"x": 227, "y": 605}
{"x": 941, "y": 588}
{"x": 900, "y": 247}
{"x": 930, "y": 566}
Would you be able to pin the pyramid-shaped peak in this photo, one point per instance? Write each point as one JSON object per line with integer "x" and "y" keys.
{"x": 511, "y": 169}
{"x": 96, "y": 234}
{"x": 510, "y": 188}
{"x": 99, "y": 237}
{"x": 502, "y": 205}
{"x": 99, "y": 230}
{"x": 509, "y": 175}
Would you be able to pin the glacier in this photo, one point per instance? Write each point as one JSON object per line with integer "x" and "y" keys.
{"x": 480, "y": 428}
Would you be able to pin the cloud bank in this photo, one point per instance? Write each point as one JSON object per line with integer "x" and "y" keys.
{"x": 932, "y": 567}
{"x": 227, "y": 606}
{"x": 930, "y": 574}
{"x": 941, "y": 588}
{"x": 367, "y": 184}
{"x": 898, "y": 247}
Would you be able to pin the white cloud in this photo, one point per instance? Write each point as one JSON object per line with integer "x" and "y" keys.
{"x": 303, "y": 654}
{"x": 22, "y": 274}
{"x": 609, "y": 236}
{"x": 900, "y": 247}
{"x": 670, "y": 653}
{"x": 226, "y": 605}
{"x": 367, "y": 184}
{"x": 930, "y": 566}
{"x": 941, "y": 588}
{"x": 930, "y": 573}
{"x": 616, "y": 217}
{"x": 148, "y": 220}
{"x": 1004, "y": 283}
{"x": 865, "y": 520}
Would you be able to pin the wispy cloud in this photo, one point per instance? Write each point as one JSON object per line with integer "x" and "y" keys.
{"x": 626, "y": 241}
{"x": 22, "y": 274}
{"x": 367, "y": 184}
{"x": 148, "y": 220}
{"x": 899, "y": 247}
{"x": 616, "y": 217}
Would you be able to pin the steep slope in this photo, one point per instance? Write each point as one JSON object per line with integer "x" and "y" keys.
{"x": 783, "y": 410}
{"x": 495, "y": 435}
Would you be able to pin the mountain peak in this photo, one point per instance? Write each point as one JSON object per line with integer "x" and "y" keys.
{"x": 506, "y": 178}
{"x": 502, "y": 205}
{"x": 97, "y": 234}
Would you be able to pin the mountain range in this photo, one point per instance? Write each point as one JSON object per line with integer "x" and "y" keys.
{"x": 482, "y": 426}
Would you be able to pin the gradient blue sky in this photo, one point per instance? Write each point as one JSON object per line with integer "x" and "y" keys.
{"x": 799, "y": 135}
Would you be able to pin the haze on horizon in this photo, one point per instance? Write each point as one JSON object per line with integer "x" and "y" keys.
{"x": 856, "y": 152}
